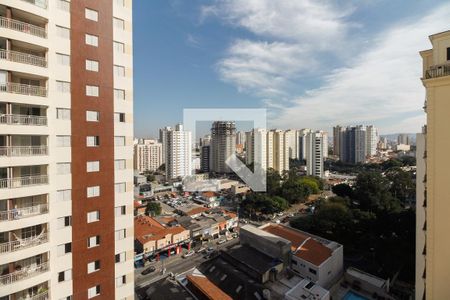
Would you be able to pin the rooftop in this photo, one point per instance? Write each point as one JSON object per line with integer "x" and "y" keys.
{"x": 306, "y": 289}
{"x": 207, "y": 288}
{"x": 148, "y": 229}
{"x": 304, "y": 246}
{"x": 253, "y": 259}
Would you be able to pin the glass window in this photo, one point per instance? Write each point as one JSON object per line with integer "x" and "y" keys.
{"x": 63, "y": 59}
{"x": 91, "y": 14}
{"x": 92, "y": 90}
{"x": 93, "y": 241}
{"x": 93, "y": 266}
{"x": 120, "y": 187}
{"x": 91, "y": 40}
{"x": 63, "y": 168}
{"x": 119, "y": 117}
{"x": 120, "y": 164}
{"x": 93, "y": 191}
{"x": 119, "y": 141}
{"x": 119, "y": 94}
{"x": 119, "y": 23}
{"x": 119, "y": 71}
{"x": 92, "y": 116}
{"x": 93, "y": 216}
{"x": 63, "y": 32}
{"x": 64, "y": 195}
{"x": 63, "y": 113}
{"x": 63, "y": 86}
{"x": 93, "y": 291}
{"x": 93, "y": 166}
{"x": 120, "y": 234}
{"x": 119, "y": 47}
{"x": 92, "y": 65}
{"x": 93, "y": 141}
{"x": 63, "y": 140}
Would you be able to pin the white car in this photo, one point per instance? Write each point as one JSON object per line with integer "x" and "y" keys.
{"x": 202, "y": 249}
{"x": 189, "y": 253}
{"x": 221, "y": 241}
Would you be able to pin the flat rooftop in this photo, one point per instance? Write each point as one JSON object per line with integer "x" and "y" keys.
{"x": 366, "y": 277}
{"x": 306, "y": 289}
{"x": 255, "y": 260}
{"x": 227, "y": 277}
{"x": 164, "y": 289}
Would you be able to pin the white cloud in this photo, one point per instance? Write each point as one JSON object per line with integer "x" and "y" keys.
{"x": 381, "y": 86}
{"x": 193, "y": 41}
{"x": 290, "y": 35}
{"x": 263, "y": 67}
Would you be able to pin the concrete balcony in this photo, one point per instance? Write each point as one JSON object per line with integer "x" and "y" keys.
{"x": 26, "y": 120}
{"x": 438, "y": 71}
{"x": 23, "y": 27}
{"x": 21, "y": 244}
{"x": 15, "y": 151}
{"x": 38, "y": 3}
{"x": 23, "y": 58}
{"x": 24, "y": 273}
{"x": 24, "y": 212}
{"x": 24, "y": 181}
{"x": 23, "y": 89}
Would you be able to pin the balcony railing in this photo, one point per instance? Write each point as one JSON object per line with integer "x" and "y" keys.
{"x": 17, "y": 182}
{"x": 41, "y": 296}
{"x": 23, "y": 27}
{"x": 40, "y": 3}
{"x": 438, "y": 71}
{"x": 26, "y": 272}
{"x": 23, "y": 89}
{"x": 12, "y": 151}
{"x": 25, "y": 212}
{"x": 23, "y": 58}
{"x": 23, "y": 243}
{"x": 23, "y": 120}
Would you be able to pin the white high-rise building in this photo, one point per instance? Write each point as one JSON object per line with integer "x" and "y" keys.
{"x": 256, "y": 145}
{"x": 372, "y": 140}
{"x": 293, "y": 143}
{"x": 163, "y": 140}
{"x": 314, "y": 153}
{"x": 147, "y": 155}
{"x": 66, "y": 133}
{"x": 277, "y": 151}
{"x": 325, "y": 143}
{"x": 178, "y": 152}
{"x": 240, "y": 138}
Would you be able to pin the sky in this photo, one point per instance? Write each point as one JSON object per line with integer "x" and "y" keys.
{"x": 310, "y": 63}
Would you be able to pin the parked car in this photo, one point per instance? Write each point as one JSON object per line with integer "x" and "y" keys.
{"x": 202, "y": 249}
{"x": 148, "y": 270}
{"x": 221, "y": 241}
{"x": 189, "y": 253}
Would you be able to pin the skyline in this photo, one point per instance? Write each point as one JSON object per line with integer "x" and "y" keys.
{"x": 211, "y": 54}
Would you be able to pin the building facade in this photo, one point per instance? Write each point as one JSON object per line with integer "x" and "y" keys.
{"x": 353, "y": 144}
{"x": 256, "y": 147}
{"x": 277, "y": 151}
{"x": 372, "y": 139}
{"x": 433, "y": 163}
{"x": 314, "y": 153}
{"x": 178, "y": 152}
{"x": 147, "y": 155}
{"x": 223, "y": 145}
{"x": 66, "y": 103}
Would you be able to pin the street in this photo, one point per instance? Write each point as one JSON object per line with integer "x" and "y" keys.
{"x": 176, "y": 264}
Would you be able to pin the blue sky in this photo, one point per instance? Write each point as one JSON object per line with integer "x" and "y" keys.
{"x": 311, "y": 63}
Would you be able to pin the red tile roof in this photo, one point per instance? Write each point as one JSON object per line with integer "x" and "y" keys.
{"x": 207, "y": 288}
{"x": 148, "y": 229}
{"x": 208, "y": 194}
{"x": 196, "y": 210}
{"x": 312, "y": 250}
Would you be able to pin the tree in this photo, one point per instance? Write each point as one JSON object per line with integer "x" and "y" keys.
{"x": 372, "y": 192}
{"x": 153, "y": 209}
{"x": 391, "y": 163}
{"x": 402, "y": 185}
{"x": 273, "y": 182}
{"x": 342, "y": 190}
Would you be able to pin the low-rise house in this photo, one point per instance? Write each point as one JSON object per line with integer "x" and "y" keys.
{"x": 192, "y": 210}
{"x": 316, "y": 259}
{"x": 139, "y": 208}
{"x": 152, "y": 237}
{"x": 306, "y": 289}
